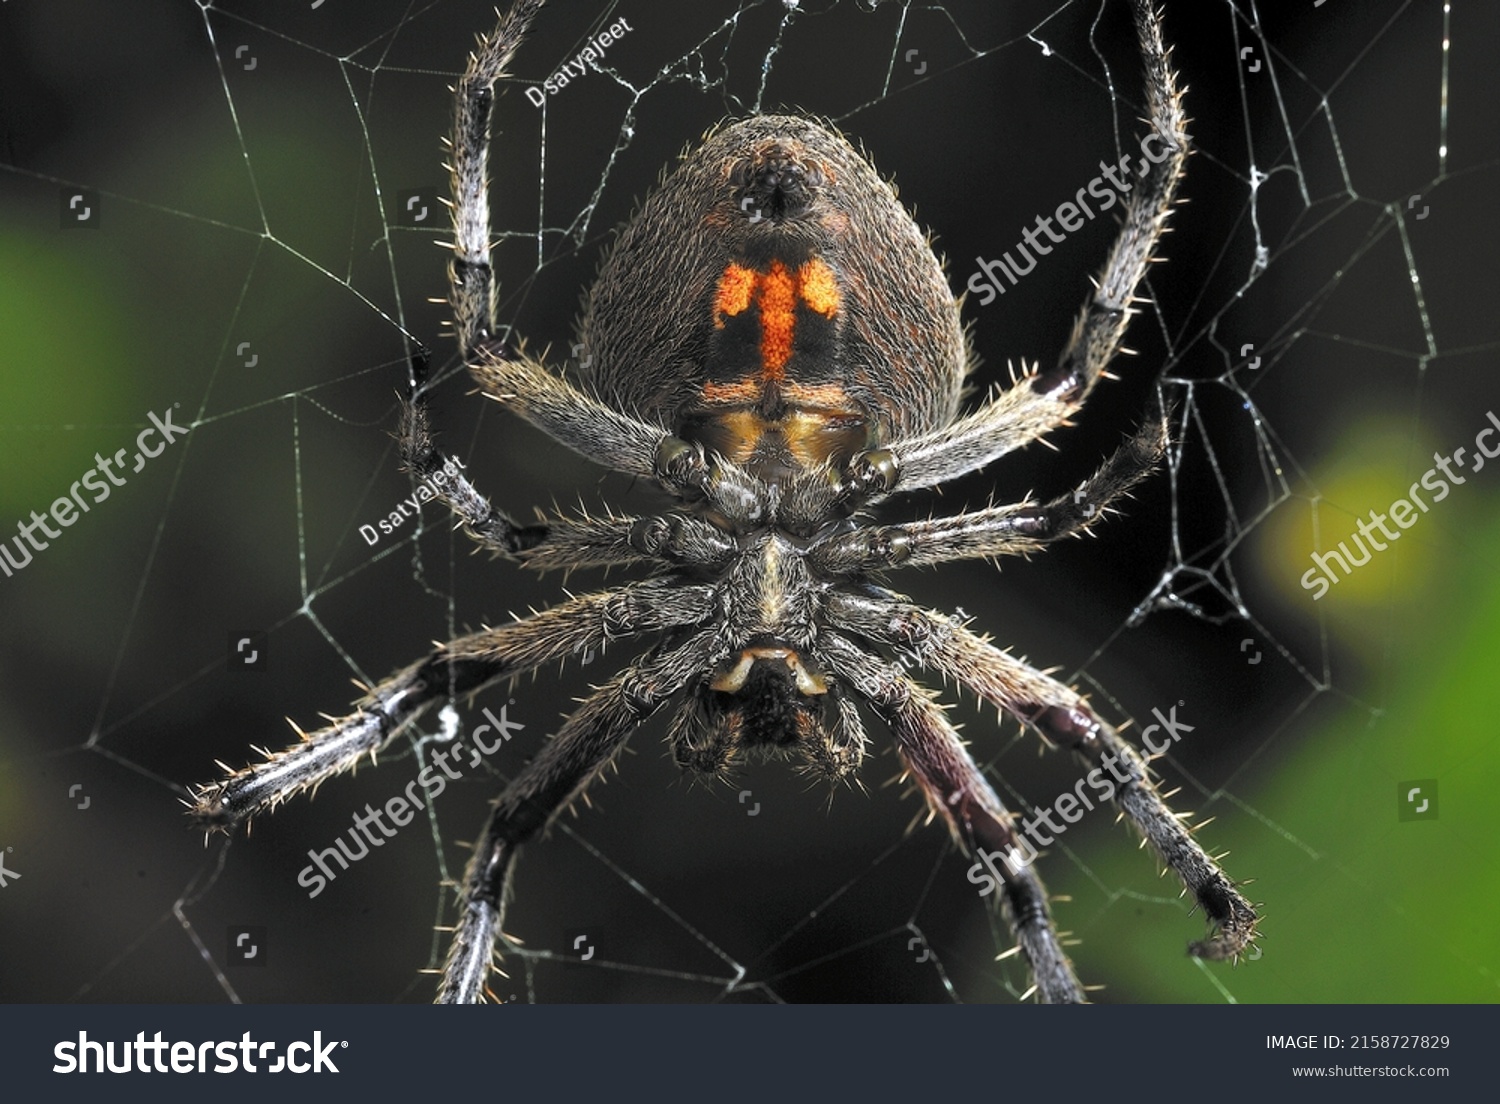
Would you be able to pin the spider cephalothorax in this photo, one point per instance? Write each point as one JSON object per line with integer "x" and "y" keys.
{"x": 808, "y": 364}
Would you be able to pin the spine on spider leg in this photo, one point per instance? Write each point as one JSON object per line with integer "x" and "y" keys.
{"x": 957, "y": 792}
{"x": 472, "y": 290}
{"x": 587, "y": 742}
{"x": 262, "y": 786}
{"x": 459, "y": 668}
{"x": 1092, "y": 500}
{"x": 962, "y": 796}
{"x": 443, "y": 475}
{"x": 1147, "y": 213}
{"x": 471, "y": 954}
{"x": 1233, "y": 918}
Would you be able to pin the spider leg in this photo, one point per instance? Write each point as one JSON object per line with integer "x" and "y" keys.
{"x": 1061, "y": 716}
{"x": 1040, "y": 401}
{"x": 957, "y": 791}
{"x": 558, "y": 542}
{"x": 609, "y": 541}
{"x": 429, "y": 465}
{"x": 561, "y": 410}
{"x": 463, "y": 666}
{"x": 471, "y": 279}
{"x": 471, "y": 286}
{"x": 569, "y": 416}
{"x": 620, "y": 441}
{"x": 577, "y": 420}
{"x": 559, "y": 773}
{"x": 1016, "y": 529}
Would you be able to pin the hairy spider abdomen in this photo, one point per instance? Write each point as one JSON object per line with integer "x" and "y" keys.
{"x": 775, "y": 302}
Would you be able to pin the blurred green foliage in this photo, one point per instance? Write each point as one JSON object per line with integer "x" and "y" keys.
{"x": 65, "y": 327}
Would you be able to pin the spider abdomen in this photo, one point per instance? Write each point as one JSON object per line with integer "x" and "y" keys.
{"x": 774, "y": 301}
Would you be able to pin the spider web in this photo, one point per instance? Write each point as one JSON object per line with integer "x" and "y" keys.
{"x": 267, "y": 177}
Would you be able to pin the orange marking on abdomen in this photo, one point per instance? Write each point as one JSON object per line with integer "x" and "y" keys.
{"x": 776, "y": 292}
{"x": 778, "y": 316}
{"x": 819, "y": 288}
{"x": 826, "y": 396}
{"x": 736, "y": 287}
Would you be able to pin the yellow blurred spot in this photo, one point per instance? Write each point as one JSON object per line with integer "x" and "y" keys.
{"x": 1341, "y": 551}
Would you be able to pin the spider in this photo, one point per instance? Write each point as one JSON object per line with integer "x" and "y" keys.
{"x": 808, "y": 364}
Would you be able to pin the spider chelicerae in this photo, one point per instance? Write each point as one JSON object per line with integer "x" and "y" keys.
{"x": 808, "y": 364}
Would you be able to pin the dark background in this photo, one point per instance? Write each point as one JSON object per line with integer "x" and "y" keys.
{"x": 256, "y": 216}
